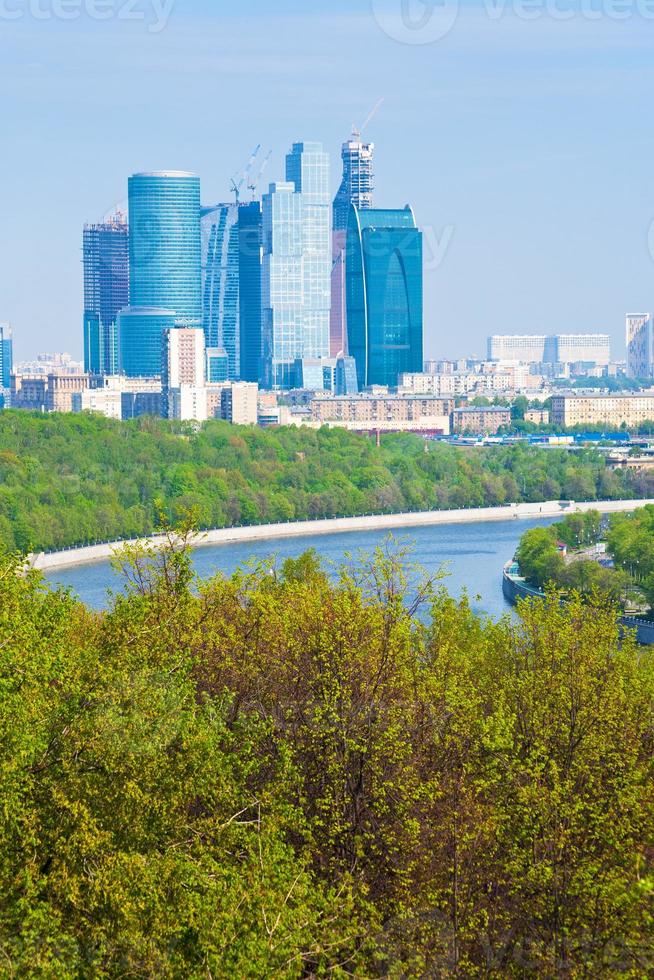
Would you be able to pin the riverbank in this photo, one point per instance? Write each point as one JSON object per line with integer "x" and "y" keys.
{"x": 96, "y": 553}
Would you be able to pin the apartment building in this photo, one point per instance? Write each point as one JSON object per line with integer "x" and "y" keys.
{"x": 610, "y": 410}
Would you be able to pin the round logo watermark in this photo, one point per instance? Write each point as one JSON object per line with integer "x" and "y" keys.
{"x": 416, "y": 21}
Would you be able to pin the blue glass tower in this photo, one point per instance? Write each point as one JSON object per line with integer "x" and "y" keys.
{"x": 106, "y": 292}
{"x": 296, "y": 273}
{"x": 220, "y": 282}
{"x": 141, "y": 332}
{"x": 165, "y": 263}
{"x": 6, "y": 355}
{"x": 384, "y": 294}
{"x": 250, "y": 234}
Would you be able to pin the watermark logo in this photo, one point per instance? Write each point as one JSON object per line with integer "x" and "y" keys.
{"x": 154, "y": 14}
{"x": 416, "y": 21}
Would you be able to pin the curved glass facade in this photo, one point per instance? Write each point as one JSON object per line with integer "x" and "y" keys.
{"x": 165, "y": 264}
{"x": 384, "y": 294}
{"x": 141, "y": 332}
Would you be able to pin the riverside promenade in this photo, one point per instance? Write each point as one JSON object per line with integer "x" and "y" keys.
{"x": 101, "y": 552}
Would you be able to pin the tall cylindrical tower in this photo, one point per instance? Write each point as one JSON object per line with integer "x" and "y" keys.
{"x": 165, "y": 262}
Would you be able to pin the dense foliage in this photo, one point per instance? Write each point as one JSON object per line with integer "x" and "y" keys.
{"x": 631, "y": 543}
{"x": 543, "y": 563}
{"x": 71, "y": 479}
{"x": 285, "y": 775}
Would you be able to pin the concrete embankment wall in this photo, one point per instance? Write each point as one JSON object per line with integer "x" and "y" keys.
{"x": 393, "y": 522}
{"x": 514, "y": 591}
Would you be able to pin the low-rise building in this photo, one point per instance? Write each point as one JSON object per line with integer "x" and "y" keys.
{"x": 596, "y": 409}
{"x": 538, "y": 416}
{"x": 482, "y": 420}
{"x": 46, "y": 393}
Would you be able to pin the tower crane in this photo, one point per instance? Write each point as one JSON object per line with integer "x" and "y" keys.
{"x": 254, "y": 185}
{"x": 237, "y": 187}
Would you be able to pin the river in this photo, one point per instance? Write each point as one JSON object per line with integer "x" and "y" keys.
{"x": 472, "y": 555}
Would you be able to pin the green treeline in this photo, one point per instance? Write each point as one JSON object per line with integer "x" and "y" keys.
{"x": 72, "y": 479}
{"x": 629, "y": 542}
{"x": 282, "y": 774}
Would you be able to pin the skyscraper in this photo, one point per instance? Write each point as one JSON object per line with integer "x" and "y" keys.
{"x": 220, "y": 282}
{"x": 106, "y": 292}
{"x": 6, "y": 356}
{"x": 640, "y": 345}
{"x": 250, "y": 237}
{"x": 356, "y": 188}
{"x": 296, "y": 290}
{"x": 384, "y": 294}
{"x": 165, "y": 265}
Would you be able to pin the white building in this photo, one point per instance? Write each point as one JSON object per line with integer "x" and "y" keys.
{"x": 594, "y": 348}
{"x": 183, "y": 380}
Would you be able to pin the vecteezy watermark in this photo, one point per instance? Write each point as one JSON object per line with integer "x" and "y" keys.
{"x": 153, "y": 13}
{"x": 436, "y": 246}
{"x": 416, "y": 21}
{"x": 427, "y": 21}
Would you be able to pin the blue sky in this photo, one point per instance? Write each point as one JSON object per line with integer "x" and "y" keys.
{"x": 524, "y": 145}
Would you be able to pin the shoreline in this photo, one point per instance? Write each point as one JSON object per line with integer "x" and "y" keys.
{"x": 99, "y": 553}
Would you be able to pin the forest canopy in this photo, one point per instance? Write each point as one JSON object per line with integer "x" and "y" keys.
{"x": 74, "y": 479}
{"x": 289, "y": 774}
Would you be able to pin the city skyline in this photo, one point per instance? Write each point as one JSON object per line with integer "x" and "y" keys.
{"x": 536, "y": 213}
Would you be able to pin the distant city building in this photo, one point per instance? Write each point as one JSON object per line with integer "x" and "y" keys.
{"x": 640, "y": 345}
{"x": 50, "y": 364}
{"x": 217, "y": 365}
{"x": 296, "y": 286}
{"x": 537, "y": 416}
{"x": 165, "y": 266}
{"x": 6, "y": 356}
{"x": 141, "y": 331}
{"x": 220, "y": 282}
{"x": 384, "y": 294}
{"x": 183, "y": 374}
{"x": 345, "y": 377}
{"x": 356, "y": 189}
{"x": 235, "y": 402}
{"x": 613, "y": 411}
{"x": 46, "y": 393}
{"x": 384, "y": 412}
{"x": 556, "y": 349}
{"x": 106, "y": 292}
{"x": 480, "y": 421}
{"x": 250, "y": 234}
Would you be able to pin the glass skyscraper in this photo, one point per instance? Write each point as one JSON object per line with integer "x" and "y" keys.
{"x": 296, "y": 286}
{"x": 165, "y": 264}
{"x": 356, "y": 188}
{"x": 384, "y": 294}
{"x": 6, "y": 356}
{"x": 106, "y": 292}
{"x": 220, "y": 282}
{"x": 250, "y": 236}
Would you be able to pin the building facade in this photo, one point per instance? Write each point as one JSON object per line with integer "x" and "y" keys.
{"x": 551, "y": 349}
{"x": 384, "y": 295}
{"x": 6, "y": 356}
{"x": 184, "y": 374}
{"x": 480, "y": 421}
{"x": 296, "y": 286}
{"x": 106, "y": 292}
{"x": 357, "y": 186}
{"x": 640, "y": 345}
{"x": 250, "y": 236}
{"x": 220, "y": 282}
{"x": 390, "y": 413}
{"x": 165, "y": 265}
{"x": 612, "y": 411}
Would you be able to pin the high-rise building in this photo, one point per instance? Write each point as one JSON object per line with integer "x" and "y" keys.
{"x": 165, "y": 266}
{"x": 220, "y": 281}
{"x": 356, "y": 188}
{"x": 6, "y": 356}
{"x": 250, "y": 259}
{"x": 106, "y": 292}
{"x": 384, "y": 294}
{"x": 640, "y": 345}
{"x": 296, "y": 286}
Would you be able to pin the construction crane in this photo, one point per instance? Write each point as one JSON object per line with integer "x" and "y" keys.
{"x": 358, "y": 130}
{"x": 254, "y": 185}
{"x": 236, "y": 188}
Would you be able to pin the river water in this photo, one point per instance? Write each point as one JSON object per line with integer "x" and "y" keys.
{"x": 472, "y": 555}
